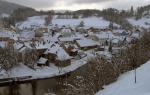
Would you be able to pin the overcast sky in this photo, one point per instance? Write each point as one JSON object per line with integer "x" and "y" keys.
{"x": 80, "y": 4}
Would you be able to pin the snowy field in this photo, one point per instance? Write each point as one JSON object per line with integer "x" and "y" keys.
{"x": 125, "y": 84}
{"x": 140, "y": 22}
{"x": 88, "y": 22}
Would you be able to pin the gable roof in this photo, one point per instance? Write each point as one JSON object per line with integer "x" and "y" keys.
{"x": 59, "y": 51}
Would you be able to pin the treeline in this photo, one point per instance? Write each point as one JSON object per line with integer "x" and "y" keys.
{"x": 142, "y": 11}
{"x": 118, "y": 17}
{"x": 21, "y": 14}
{"x": 112, "y": 14}
{"x": 87, "y": 12}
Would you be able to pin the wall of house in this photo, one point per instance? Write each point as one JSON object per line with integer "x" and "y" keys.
{"x": 63, "y": 63}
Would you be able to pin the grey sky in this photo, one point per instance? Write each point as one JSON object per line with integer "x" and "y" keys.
{"x": 88, "y": 1}
{"x": 80, "y": 4}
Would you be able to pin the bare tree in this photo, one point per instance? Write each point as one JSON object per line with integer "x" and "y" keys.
{"x": 30, "y": 58}
{"x": 8, "y": 57}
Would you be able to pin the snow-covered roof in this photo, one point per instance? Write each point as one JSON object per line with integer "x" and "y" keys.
{"x": 41, "y": 46}
{"x": 115, "y": 41}
{"x": 4, "y": 33}
{"x": 18, "y": 45}
{"x": 22, "y": 49}
{"x": 27, "y": 34}
{"x": 66, "y": 39}
{"x": 42, "y": 60}
{"x": 104, "y": 35}
{"x": 9, "y": 34}
{"x": 51, "y": 39}
{"x": 86, "y": 42}
{"x": 66, "y": 30}
{"x": 135, "y": 35}
{"x": 59, "y": 51}
{"x": 3, "y": 44}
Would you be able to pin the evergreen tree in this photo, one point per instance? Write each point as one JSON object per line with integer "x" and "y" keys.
{"x": 132, "y": 11}
{"x": 111, "y": 25}
{"x": 110, "y": 47}
{"x": 81, "y": 24}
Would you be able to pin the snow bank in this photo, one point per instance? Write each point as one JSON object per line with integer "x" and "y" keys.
{"x": 126, "y": 86}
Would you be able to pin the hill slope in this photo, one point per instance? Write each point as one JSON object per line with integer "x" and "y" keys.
{"x": 125, "y": 84}
{"x": 8, "y": 8}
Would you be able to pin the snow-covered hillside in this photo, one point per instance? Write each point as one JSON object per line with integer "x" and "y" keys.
{"x": 144, "y": 22}
{"x": 88, "y": 22}
{"x": 32, "y": 21}
{"x": 125, "y": 84}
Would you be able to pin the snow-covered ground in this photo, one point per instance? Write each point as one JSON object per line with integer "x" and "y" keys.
{"x": 44, "y": 72}
{"x": 141, "y": 22}
{"x": 125, "y": 84}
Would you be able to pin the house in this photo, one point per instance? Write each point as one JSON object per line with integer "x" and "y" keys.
{"x": 4, "y": 35}
{"x": 136, "y": 34}
{"x": 41, "y": 48}
{"x": 42, "y": 29}
{"x": 116, "y": 50}
{"x": 22, "y": 49}
{"x": 124, "y": 33}
{"x": 26, "y": 36}
{"x": 42, "y": 62}
{"x": 104, "y": 37}
{"x": 86, "y": 44}
{"x": 58, "y": 55}
{"x": 94, "y": 30}
{"x": 18, "y": 45}
{"x": 116, "y": 42}
{"x": 66, "y": 30}
{"x": 81, "y": 30}
{"x": 71, "y": 49}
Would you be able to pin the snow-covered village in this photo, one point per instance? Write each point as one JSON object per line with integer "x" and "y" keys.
{"x": 85, "y": 51}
